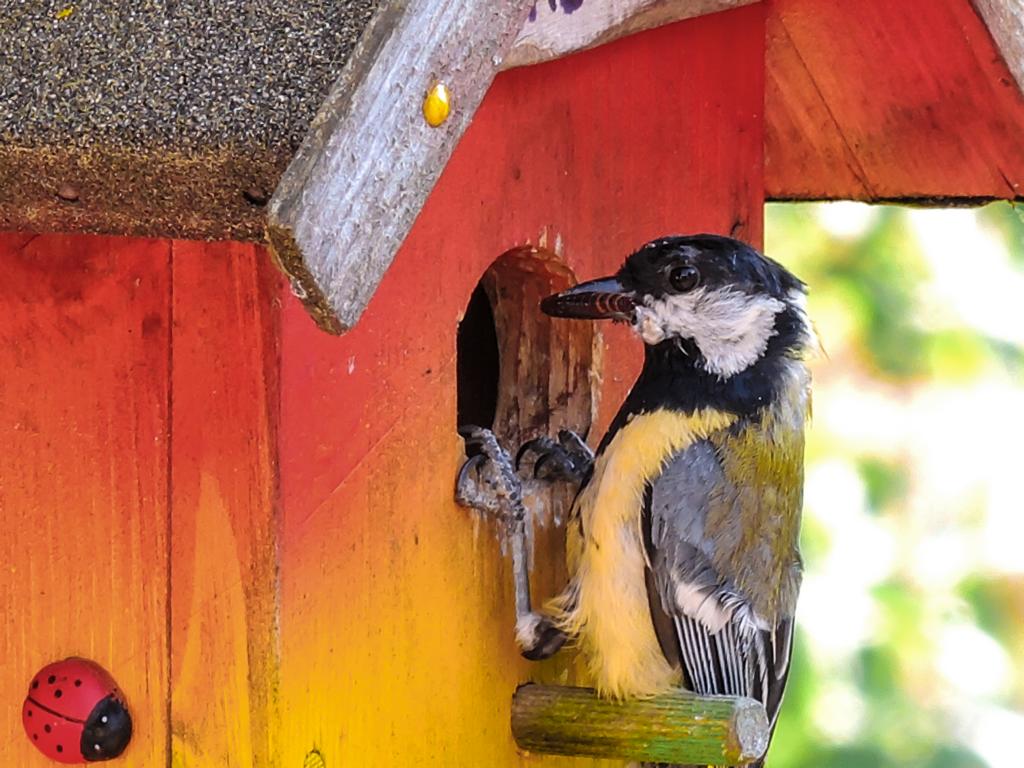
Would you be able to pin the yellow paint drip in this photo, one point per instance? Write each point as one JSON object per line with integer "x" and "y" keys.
{"x": 437, "y": 105}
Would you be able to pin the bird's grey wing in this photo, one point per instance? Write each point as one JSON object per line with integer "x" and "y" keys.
{"x": 705, "y": 622}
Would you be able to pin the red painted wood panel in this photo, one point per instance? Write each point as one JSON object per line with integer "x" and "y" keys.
{"x": 396, "y": 619}
{"x": 875, "y": 100}
{"x": 138, "y": 408}
{"x": 84, "y": 392}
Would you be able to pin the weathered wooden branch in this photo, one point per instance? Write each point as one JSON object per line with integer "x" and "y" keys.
{"x": 674, "y": 728}
{"x": 552, "y": 32}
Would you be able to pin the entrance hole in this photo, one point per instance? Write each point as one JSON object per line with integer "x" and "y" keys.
{"x": 477, "y": 361}
{"x": 520, "y": 372}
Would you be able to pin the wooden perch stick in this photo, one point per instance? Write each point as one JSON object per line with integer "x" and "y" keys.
{"x": 675, "y": 728}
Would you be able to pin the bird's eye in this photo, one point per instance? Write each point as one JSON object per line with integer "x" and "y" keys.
{"x": 684, "y": 279}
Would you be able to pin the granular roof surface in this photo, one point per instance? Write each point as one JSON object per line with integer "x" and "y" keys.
{"x": 156, "y": 102}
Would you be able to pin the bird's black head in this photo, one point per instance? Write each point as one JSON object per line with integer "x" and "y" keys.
{"x": 682, "y": 264}
{"x": 714, "y": 296}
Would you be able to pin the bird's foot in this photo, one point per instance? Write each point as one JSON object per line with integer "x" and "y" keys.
{"x": 568, "y": 458}
{"x": 488, "y": 481}
{"x": 538, "y": 637}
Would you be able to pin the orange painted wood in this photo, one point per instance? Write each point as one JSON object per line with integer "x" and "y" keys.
{"x": 876, "y": 100}
{"x": 224, "y": 357}
{"x": 84, "y": 391}
{"x": 396, "y": 611}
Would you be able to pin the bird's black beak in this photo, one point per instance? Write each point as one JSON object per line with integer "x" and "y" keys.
{"x": 602, "y": 299}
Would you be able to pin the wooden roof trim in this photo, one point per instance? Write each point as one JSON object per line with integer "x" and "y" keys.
{"x": 553, "y": 32}
{"x": 935, "y": 120}
{"x": 1005, "y": 22}
{"x": 370, "y": 156}
{"x": 370, "y": 159}
{"x": 369, "y": 162}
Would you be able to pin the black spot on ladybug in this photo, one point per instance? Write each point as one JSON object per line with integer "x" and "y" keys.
{"x": 30, "y": 713}
{"x": 78, "y": 683}
{"x": 47, "y": 728}
{"x": 35, "y": 684}
{"x": 109, "y": 728}
{"x": 51, "y": 679}
{"x": 60, "y": 748}
{"x": 58, "y": 693}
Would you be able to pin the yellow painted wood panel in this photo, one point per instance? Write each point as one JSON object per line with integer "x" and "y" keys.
{"x": 409, "y": 659}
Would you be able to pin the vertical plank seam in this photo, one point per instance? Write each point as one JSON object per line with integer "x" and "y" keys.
{"x": 266, "y": 275}
{"x": 257, "y": 287}
{"x": 169, "y": 746}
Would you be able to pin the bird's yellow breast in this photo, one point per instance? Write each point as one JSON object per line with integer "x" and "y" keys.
{"x": 611, "y": 614}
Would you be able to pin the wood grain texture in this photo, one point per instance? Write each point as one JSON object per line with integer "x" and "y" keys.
{"x": 537, "y": 390}
{"x": 351, "y": 193}
{"x": 670, "y": 728}
{"x": 396, "y": 612}
{"x": 1005, "y": 22}
{"x": 138, "y": 408}
{"x": 224, "y": 649}
{"x": 911, "y": 101}
{"x": 83, "y": 473}
{"x": 552, "y": 32}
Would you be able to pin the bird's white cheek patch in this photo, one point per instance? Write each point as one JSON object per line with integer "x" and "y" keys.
{"x": 730, "y": 328}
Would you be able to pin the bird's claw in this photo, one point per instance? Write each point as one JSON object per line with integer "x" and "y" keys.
{"x": 488, "y": 481}
{"x": 568, "y": 458}
{"x": 467, "y": 490}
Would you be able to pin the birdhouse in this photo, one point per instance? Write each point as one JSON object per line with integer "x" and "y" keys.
{"x": 259, "y": 263}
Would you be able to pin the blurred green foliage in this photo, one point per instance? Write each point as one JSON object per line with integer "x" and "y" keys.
{"x": 932, "y": 670}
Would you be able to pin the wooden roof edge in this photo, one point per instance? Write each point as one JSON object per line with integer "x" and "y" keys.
{"x": 1005, "y": 22}
{"x": 318, "y": 220}
{"x": 553, "y": 32}
{"x": 370, "y": 159}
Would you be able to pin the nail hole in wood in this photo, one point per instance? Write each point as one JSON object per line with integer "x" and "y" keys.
{"x": 256, "y": 196}
{"x": 68, "y": 193}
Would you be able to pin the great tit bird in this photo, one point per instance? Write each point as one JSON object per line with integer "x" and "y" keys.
{"x": 683, "y": 537}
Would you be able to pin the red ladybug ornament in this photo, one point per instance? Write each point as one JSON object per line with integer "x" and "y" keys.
{"x": 74, "y": 713}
